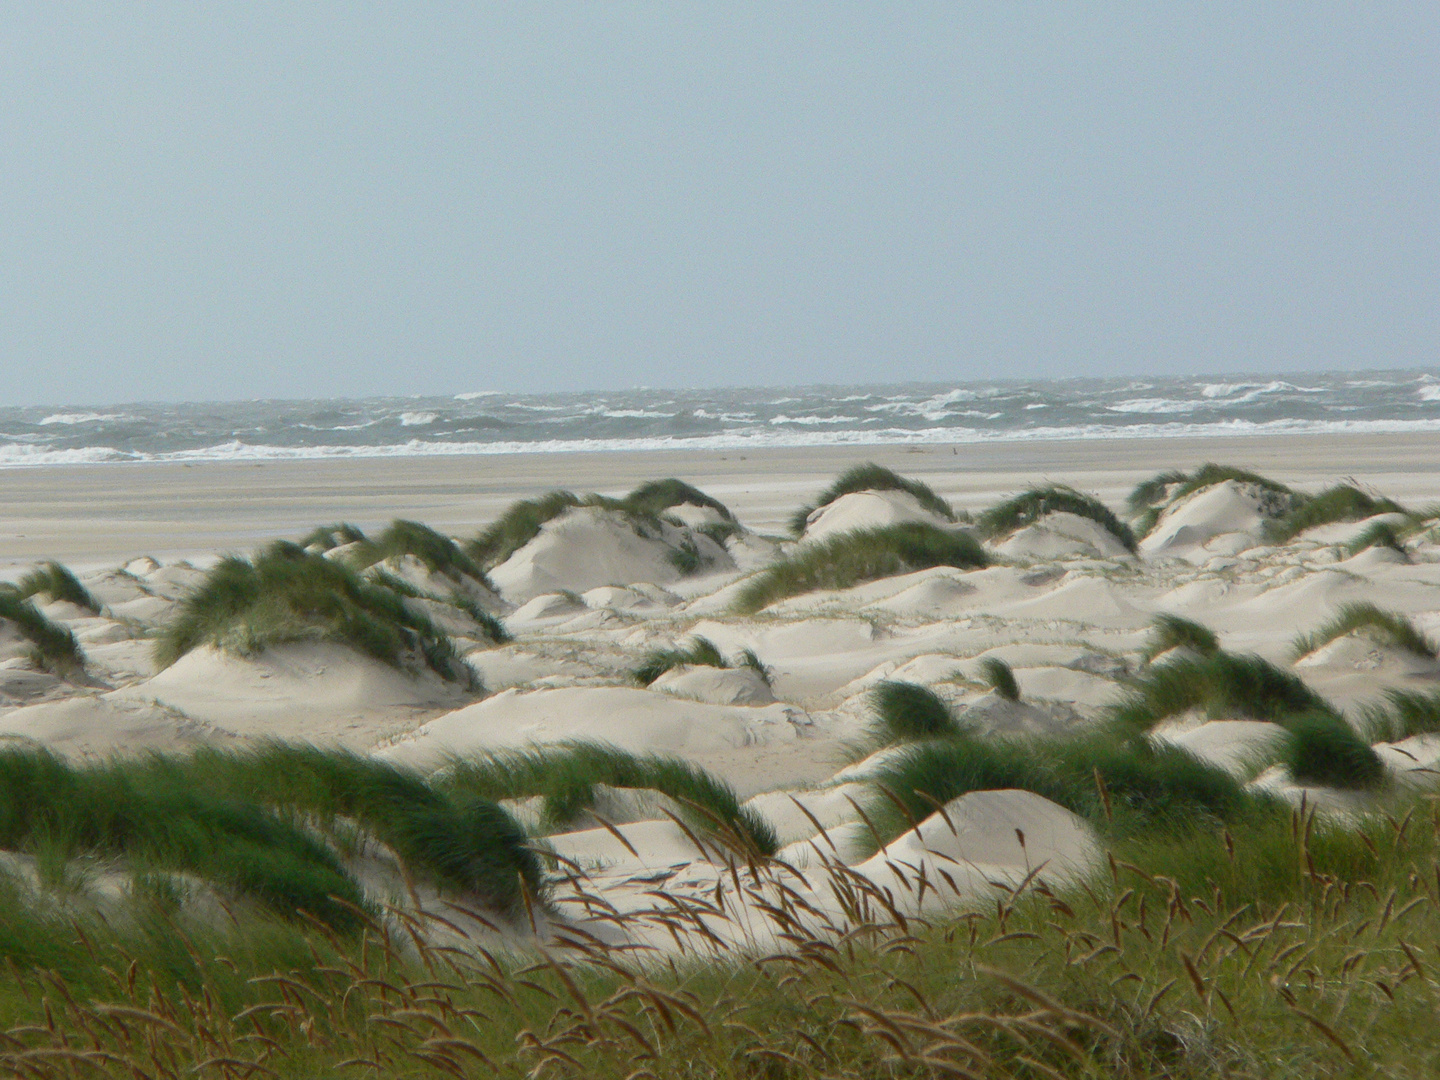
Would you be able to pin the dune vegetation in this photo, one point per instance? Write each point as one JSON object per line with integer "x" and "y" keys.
{"x": 871, "y": 477}
{"x": 905, "y": 712}
{"x": 1383, "y": 627}
{"x": 996, "y": 674}
{"x": 1030, "y": 506}
{"x": 286, "y": 594}
{"x": 566, "y": 777}
{"x": 56, "y": 582}
{"x": 701, "y": 652}
{"x": 1379, "y": 535}
{"x": 1221, "y": 686}
{"x": 1404, "y": 713}
{"x": 439, "y": 553}
{"x": 1174, "y": 632}
{"x": 852, "y": 558}
{"x": 1321, "y": 748}
{"x": 329, "y": 537}
{"x": 1343, "y": 502}
{"x": 53, "y": 647}
{"x": 654, "y": 497}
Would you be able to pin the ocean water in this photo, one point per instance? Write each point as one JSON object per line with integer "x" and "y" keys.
{"x": 485, "y": 422}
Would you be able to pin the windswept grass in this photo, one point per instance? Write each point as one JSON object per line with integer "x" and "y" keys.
{"x": 515, "y": 528}
{"x": 701, "y": 652}
{"x": 491, "y": 627}
{"x": 1173, "y": 632}
{"x": 1404, "y": 713}
{"x": 1222, "y": 686}
{"x": 996, "y": 674}
{"x": 287, "y": 594}
{"x": 1121, "y": 785}
{"x": 656, "y": 496}
{"x": 1030, "y": 506}
{"x": 566, "y": 777}
{"x": 871, "y": 477}
{"x": 853, "y": 558}
{"x": 1321, "y": 748}
{"x": 1148, "y": 493}
{"x": 329, "y": 537}
{"x": 1158, "y": 489}
{"x": 1379, "y": 535}
{"x": 1383, "y": 627}
{"x": 54, "y": 647}
{"x": 1343, "y": 502}
{"x": 157, "y": 819}
{"x": 58, "y": 583}
{"x": 905, "y": 712}
{"x": 439, "y": 553}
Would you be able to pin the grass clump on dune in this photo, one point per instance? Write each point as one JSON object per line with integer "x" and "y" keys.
{"x": 566, "y": 777}
{"x": 520, "y": 524}
{"x": 286, "y": 594}
{"x": 1150, "y": 498}
{"x": 1222, "y": 686}
{"x": 998, "y": 676}
{"x": 53, "y": 647}
{"x": 1173, "y": 632}
{"x": 1404, "y": 713}
{"x": 329, "y": 537}
{"x": 701, "y": 652}
{"x": 1030, "y": 506}
{"x": 1384, "y": 627}
{"x": 853, "y": 558}
{"x": 1321, "y": 748}
{"x": 872, "y": 477}
{"x": 1379, "y": 535}
{"x": 1343, "y": 502}
{"x": 439, "y": 553}
{"x": 656, "y": 496}
{"x": 905, "y": 712}
{"x": 58, "y": 583}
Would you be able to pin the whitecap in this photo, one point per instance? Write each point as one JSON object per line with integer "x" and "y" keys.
{"x": 82, "y": 418}
{"x": 471, "y": 395}
{"x": 418, "y": 419}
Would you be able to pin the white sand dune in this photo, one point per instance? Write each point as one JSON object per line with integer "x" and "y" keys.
{"x": 1062, "y": 535}
{"x": 867, "y": 510}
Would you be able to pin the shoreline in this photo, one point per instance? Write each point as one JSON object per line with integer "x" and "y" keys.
{"x": 90, "y": 513}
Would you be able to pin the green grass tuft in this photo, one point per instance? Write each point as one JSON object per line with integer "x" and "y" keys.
{"x": 701, "y": 652}
{"x": 996, "y": 674}
{"x": 287, "y": 594}
{"x": 657, "y": 496}
{"x": 58, "y": 583}
{"x": 853, "y": 558}
{"x": 54, "y": 647}
{"x": 1148, "y": 493}
{"x": 1222, "y": 686}
{"x": 1321, "y": 748}
{"x": 1382, "y": 535}
{"x": 1384, "y": 627}
{"x": 566, "y": 777}
{"x": 1173, "y": 632}
{"x": 329, "y": 537}
{"x": 872, "y": 477}
{"x": 1404, "y": 713}
{"x": 1343, "y": 502}
{"x": 439, "y": 553}
{"x": 515, "y": 528}
{"x": 1030, "y": 506}
{"x": 905, "y": 712}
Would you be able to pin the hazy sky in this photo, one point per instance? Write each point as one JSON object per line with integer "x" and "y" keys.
{"x": 203, "y": 201}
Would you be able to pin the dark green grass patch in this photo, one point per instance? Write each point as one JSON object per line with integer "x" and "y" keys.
{"x": 872, "y": 477}
{"x": 287, "y": 594}
{"x": 1030, "y": 506}
{"x": 656, "y": 496}
{"x": 515, "y": 528}
{"x": 1404, "y": 713}
{"x": 439, "y": 553}
{"x": 853, "y": 558}
{"x": 58, "y": 583}
{"x": 1223, "y": 686}
{"x": 1321, "y": 748}
{"x": 54, "y": 647}
{"x": 1384, "y": 627}
{"x": 1343, "y": 502}
{"x": 905, "y": 712}
{"x": 1379, "y": 535}
{"x": 701, "y": 652}
{"x": 329, "y": 537}
{"x": 566, "y": 777}
{"x": 997, "y": 675}
{"x": 1173, "y": 632}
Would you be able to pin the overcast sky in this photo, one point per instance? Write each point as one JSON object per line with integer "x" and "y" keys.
{"x": 205, "y": 201}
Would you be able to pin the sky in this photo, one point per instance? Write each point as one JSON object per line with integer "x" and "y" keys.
{"x": 234, "y": 201}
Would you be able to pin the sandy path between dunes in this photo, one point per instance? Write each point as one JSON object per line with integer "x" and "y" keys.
{"x": 89, "y": 514}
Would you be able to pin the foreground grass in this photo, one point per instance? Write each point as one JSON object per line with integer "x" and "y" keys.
{"x": 853, "y": 558}
{"x": 1030, "y": 506}
{"x": 1277, "y": 947}
{"x": 286, "y": 594}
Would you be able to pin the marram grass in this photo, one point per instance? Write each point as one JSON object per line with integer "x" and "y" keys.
{"x": 871, "y": 477}
{"x": 1222, "y": 686}
{"x": 1174, "y": 632}
{"x": 55, "y": 581}
{"x": 997, "y": 675}
{"x": 905, "y": 712}
{"x": 701, "y": 652}
{"x": 1343, "y": 502}
{"x": 1030, "y": 506}
{"x": 1384, "y": 627}
{"x": 53, "y": 646}
{"x": 853, "y": 558}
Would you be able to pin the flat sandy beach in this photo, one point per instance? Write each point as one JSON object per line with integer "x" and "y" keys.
{"x": 90, "y": 514}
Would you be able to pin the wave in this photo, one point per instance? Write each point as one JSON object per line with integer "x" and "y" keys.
{"x": 235, "y": 450}
{"x": 70, "y": 419}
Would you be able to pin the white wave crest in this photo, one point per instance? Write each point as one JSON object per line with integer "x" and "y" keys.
{"x": 70, "y": 418}
{"x": 418, "y": 419}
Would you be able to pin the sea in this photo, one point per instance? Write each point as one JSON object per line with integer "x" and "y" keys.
{"x": 491, "y": 422}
